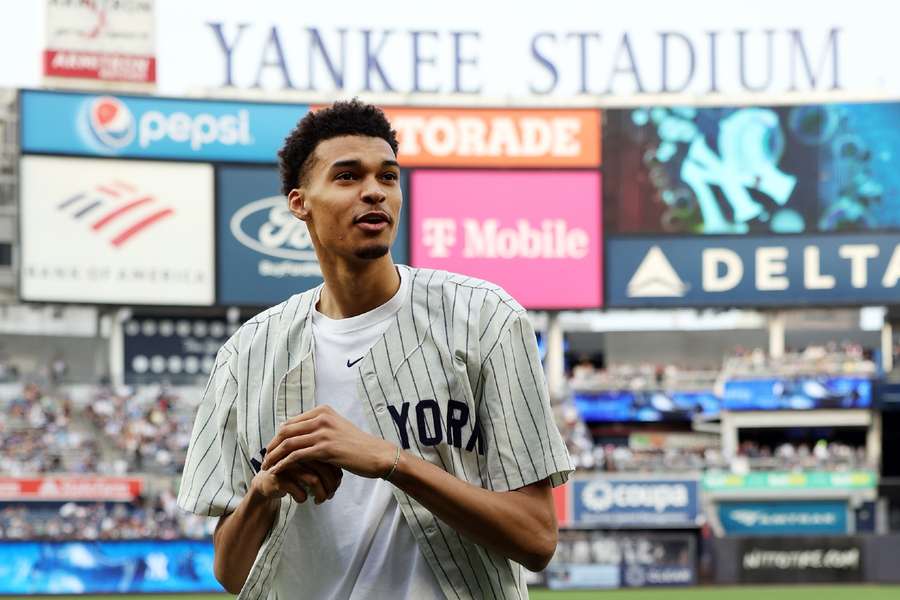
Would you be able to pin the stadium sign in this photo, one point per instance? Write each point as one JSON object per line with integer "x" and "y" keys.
{"x": 469, "y": 48}
{"x": 848, "y": 269}
{"x": 265, "y": 252}
{"x": 100, "y": 42}
{"x": 544, "y": 226}
{"x": 784, "y": 518}
{"x": 144, "y": 127}
{"x": 75, "y": 488}
{"x": 497, "y": 138}
{"x": 114, "y": 231}
{"x": 775, "y": 481}
{"x": 807, "y": 559}
{"x": 634, "y": 502}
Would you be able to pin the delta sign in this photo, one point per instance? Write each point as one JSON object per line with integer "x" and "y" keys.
{"x": 847, "y": 269}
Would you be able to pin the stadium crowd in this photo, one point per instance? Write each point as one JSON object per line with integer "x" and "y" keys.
{"x": 148, "y": 518}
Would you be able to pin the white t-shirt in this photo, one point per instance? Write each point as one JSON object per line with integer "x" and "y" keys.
{"x": 356, "y": 545}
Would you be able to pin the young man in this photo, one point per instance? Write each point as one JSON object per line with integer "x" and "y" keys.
{"x": 387, "y": 434}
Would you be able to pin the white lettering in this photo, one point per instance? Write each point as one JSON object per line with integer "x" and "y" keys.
{"x": 198, "y": 131}
{"x": 734, "y": 269}
{"x": 489, "y": 137}
{"x": 813, "y": 279}
{"x": 892, "y": 273}
{"x": 770, "y": 268}
{"x": 439, "y": 235}
{"x": 566, "y": 137}
{"x": 858, "y": 255}
{"x": 552, "y": 239}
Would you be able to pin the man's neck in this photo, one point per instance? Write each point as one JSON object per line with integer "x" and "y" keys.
{"x": 354, "y": 289}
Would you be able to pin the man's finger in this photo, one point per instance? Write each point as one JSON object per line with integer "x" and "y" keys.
{"x": 297, "y": 491}
{"x": 314, "y": 484}
{"x": 287, "y": 431}
{"x": 286, "y": 447}
{"x": 295, "y": 457}
{"x": 310, "y": 414}
{"x": 329, "y": 475}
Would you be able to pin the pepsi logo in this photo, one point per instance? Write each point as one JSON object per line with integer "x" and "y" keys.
{"x": 110, "y": 123}
{"x": 268, "y": 227}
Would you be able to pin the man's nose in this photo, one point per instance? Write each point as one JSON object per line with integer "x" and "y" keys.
{"x": 372, "y": 193}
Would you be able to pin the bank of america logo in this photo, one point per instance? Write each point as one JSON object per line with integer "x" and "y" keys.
{"x": 117, "y": 211}
{"x": 656, "y": 278}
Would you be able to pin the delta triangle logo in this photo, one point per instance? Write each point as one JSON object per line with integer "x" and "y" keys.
{"x": 656, "y": 278}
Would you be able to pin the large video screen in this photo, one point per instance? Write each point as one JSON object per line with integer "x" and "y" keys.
{"x": 783, "y": 169}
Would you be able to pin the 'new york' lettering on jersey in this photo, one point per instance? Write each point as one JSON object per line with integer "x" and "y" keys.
{"x": 456, "y": 380}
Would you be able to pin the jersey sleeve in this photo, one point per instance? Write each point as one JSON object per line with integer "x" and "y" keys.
{"x": 523, "y": 444}
{"x": 216, "y": 471}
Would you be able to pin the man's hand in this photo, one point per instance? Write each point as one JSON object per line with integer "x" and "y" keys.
{"x": 323, "y": 435}
{"x": 313, "y": 478}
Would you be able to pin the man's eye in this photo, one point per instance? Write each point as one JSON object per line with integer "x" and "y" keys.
{"x": 345, "y": 176}
{"x": 390, "y": 176}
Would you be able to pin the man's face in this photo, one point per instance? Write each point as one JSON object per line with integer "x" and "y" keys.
{"x": 351, "y": 198}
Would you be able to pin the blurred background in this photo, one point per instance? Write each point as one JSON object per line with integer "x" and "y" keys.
{"x": 698, "y": 202}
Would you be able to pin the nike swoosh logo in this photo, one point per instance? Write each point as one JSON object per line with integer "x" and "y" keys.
{"x": 350, "y": 364}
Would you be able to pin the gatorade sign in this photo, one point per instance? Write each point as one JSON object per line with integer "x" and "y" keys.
{"x": 144, "y": 127}
{"x": 497, "y": 138}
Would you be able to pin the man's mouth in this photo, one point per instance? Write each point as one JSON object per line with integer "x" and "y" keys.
{"x": 373, "y": 221}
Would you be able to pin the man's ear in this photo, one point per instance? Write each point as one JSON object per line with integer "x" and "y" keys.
{"x": 297, "y": 204}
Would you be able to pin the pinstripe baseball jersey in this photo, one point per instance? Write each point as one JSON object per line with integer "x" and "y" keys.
{"x": 455, "y": 380}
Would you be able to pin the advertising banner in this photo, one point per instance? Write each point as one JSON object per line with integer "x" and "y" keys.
{"x": 100, "y": 41}
{"x": 620, "y": 406}
{"x": 797, "y": 393}
{"x": 178, "y": 349}
{"x": 888, "y": 395}
{"x": 518, "y": 229}
{"x": 774, "y": 481}
{"x": 109, "y": 567}
{"x": 784, "y": 518}
{"x": 781, "y": 169}
{"x": 110, "y": 231}
{"x": 821, "y": 270}
{"x": 801, "y": 560}
{"x": 146, "y": 127}
{"x": 81, "y": 487}
{"x": 265, "y": 252}
{"x": 597, "y": 559}
{"x": 637, "y": 503}
{"x": 446, "y": 137}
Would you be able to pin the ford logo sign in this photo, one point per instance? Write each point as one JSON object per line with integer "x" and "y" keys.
{"x": 267, "y": 226}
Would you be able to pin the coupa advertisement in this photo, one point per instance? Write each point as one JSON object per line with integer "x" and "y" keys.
{"x": 635, "y": 503}
{"x": 145, "y": 127}
{"x": 518, "y": 229}
{"x": 784, "y": 518}
{"x": 28, "y": 568}
{"x": 265, "y": 252}
{"x": 753, "y": 270}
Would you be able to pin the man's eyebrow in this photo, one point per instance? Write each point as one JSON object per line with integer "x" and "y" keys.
{"x": 356, "y": 163}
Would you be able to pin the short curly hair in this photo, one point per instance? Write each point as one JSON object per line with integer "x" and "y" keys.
{"x": 348, "y": 117}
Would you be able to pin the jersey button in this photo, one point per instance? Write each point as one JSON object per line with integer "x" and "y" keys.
{"x": 430, "y": 530}
{"x": 379, "y": 409}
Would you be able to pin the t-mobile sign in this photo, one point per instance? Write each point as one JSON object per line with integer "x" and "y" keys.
{"x": 536, "y": 233}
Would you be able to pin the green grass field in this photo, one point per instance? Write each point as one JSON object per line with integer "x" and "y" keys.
{"x": 834, "y": 592}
